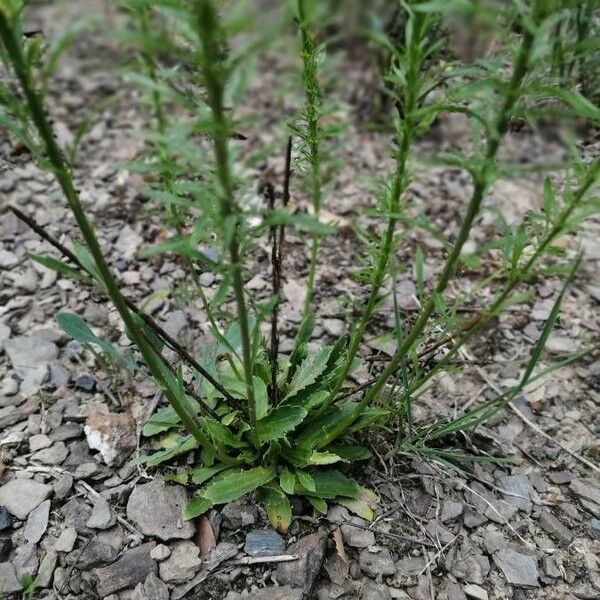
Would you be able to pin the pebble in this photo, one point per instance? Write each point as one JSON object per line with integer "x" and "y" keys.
{"x": 560, "y": 477}
{"x": 283, "y": 592}
{"x": 6, "y": 519}
{"x": 67, "y": 431}
{"x": 520, "y": 486}
{"x": 586, "y": 491}
{"x": 160, "y": 552}
{"x": 54, "y": 455}
{"x": 62, "y": 486}
{"x": 155, "y": 508}
{"x": 152, "y": 589}
{"x": 102, "y": 516}
{"x": 594, "y": 528}
{"x": 10, "y": 386}
{"x": 207, "y": 279}
{"x": 357, "y": 537}
{"x": 37, "y": 523}
{"x": 134, "y": 565}
{"x": 94, "y": 554}
{"x": 519, "y": 569}
{"x": 6, "y": 546}
{"x": 377, "y": 564}
{"x": 85, "y": 383}
{"x": 239, "y": 514}
{"x": 38, "y": 442}
{"x": 451, "y": 510}
{"x": 411, "y": 566}
{"x": 46, "y": 569}
{"x": 183, "y": 563}
{"x": 8, "y": 579}
{"x": 376, "y": 591}
{"x": 66, "y": 540}
{"x": 264, "y": 542}
{"x": 474, "y": 591}
{"x": 59, "y": 376}
{"x": 551, "y": 525}
{"x": 114, "y": 435}
{"x": 303, "y": 573}
{"x": 30, "y": 356}
{"x": 334, "y": 327}
{"x": 500, "y": 511}
{"x": 21, "y": 496}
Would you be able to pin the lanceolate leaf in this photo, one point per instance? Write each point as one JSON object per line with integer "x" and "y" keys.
{"x": 308, "y": 371}
{"x": 56, "y": 265}
{"x": 261, "y": 398}
{"x": 277, "y": 505}
{"x": 186, "y": 444}
{"x": 286, "y": 481}
{"x": 229, "y": 487}
{"x": 318, "y": 429}
{"x": 162, "y": 420}
{"x": 79, "y": 330}
{"x": 279, "y": 422}
{"x": 202, "y": 474}
{"x": 329, "y": 484}
{"x": 318, "y": 504}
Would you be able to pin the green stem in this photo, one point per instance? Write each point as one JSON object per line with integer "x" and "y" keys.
{"x": 214, "y": 76}
{"x": 482, "y": 180}
{"x": 63, "y": 176}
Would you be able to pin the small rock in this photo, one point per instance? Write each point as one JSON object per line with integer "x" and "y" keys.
{"x": 551, "y": 567}
{"x": 10, "y": 387}
{"x": 21, "y": 496}
{"x": 86, "y": 470}
{"x": 8, "y": 579}
{"x": 357, "y": 537}
{"x": 264, "y": 542}
{"x": 30, "y": 356}
{"x": 239, "y": 514}
{"x": 334, "y": 327}
{"x": 155, "y": 508}
{"x": 54, "y": 455}
{"x": 94, "y": 554}
{"x": 85, "y": 383}
{"x": 593, "y": 529}
{"x": 75, "y": 513}
{"x": 586, "y": 491}
{"x": 6, "y": 519}
{"x": 520, "y": 486}
{"x": 494, "y": 541}
{"x": 519, "y": 569}
{"x": 114, "y": 435}
{"x": 451, "y": 510}
{"x": 411, "y": 566}
{"x": 284, "y": 592}
{"x": 26, "y": 560}
{"x": 376, "y": 591}
{"x": 550, "y": 524}
{"x": 560, "y": 477}
{"x": 152, "y": 589}
{"x": 500, "y": 511}
{"x": 160, "y": 552}
{"x": 207, "y": 279}
{"x": 66, "y": 540}
{"x": 474, "y": 591}
{"x": 183, "y": 563}
{"x": 5, "y": 548}
{"x": 102, "y": 516}
{"x": 377, "y": 564}
{"x": 67, "y": 431}
{"x": 39, "y": 442}
{"x": 62, "y": 486}
{"x": 303, "y": 573}
{"x": 132, "y": 568}
{"x": 59, "y": 376}
{"x": 37, "y": 523}
{"x": 46, "y": 570}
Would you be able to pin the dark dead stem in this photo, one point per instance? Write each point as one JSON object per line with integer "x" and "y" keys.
{"x": 276, "y": 285}
{"x": 148, "y": 320}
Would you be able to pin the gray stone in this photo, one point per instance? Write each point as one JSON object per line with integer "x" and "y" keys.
{"x": 264, "y": 542}
{"x": 59, "y": 376}
{"x": 303, "y": 573}
{"x": 8, "y": 579}
{"x": 551, "y": 525}
{"x": 65, "y": 432}
{"x": 102, "y": 516}
{"x": 519, "y": 569}
{"x": 594, "y": 528}
{"x": 357, "y": 537}
{"x": 207, "y": 279}
{"x": 411, "y": 566}
{"x": 38, "y": 442}
{"x": 494, "y": 541}
{"x": 474, "y": 591}
{"x": 94, "y": 554}
{"x": 520, "y": 485}
{"x": 284, "y": 592}
{"x": 152, "y": 589}
{"x": 26, "y": 560}
{"x": 454, "y": 591}
{"x": 183, "y": 563}
{"x": 160, "y": 552}
{"x": 66, "y": 540}
{"x": 21, "y": 496}
{"x": 75, "y": 513}
{"x": 451, "y": 510}
{"x": 6, "y": 519}
{"x": 9, "y": 387}
{"x": 551, "y": 567}
{"x": 54, "y": 455}
{"x": 585, "y": 491}
{"x": 155, "y": 508}
{"x": 377, "y": 564}
{"x": 5, "y": 548}
{"x": 62, "y": 486}
{"x": 46, "y": 570}
{"x": 132, "y": 568}
{"x": 500, "y": 511}
{"x": 239, "y": 514}
{"x": 30, "y": 356}
{"x": 334, "y": 327}
{"x": 37, "y": 523}
{"x": 376, "y": 591}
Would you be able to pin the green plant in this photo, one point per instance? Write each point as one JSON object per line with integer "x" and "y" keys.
{"x": 262, "y": 421}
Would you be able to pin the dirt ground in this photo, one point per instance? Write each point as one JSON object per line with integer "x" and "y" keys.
{"x": 82, "y": 522}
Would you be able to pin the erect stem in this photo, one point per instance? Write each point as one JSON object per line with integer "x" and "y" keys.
{"x": 22, "y": 70}
{"x": 313, "y": 138}
{"x": 482, "y": 179}
{"x": 214, "y": 79}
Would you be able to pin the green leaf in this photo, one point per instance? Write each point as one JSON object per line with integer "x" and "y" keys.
{"x": 324, "y": 458}
{"x": 183, "y": 446}
{"x": 318, "y": 504}
{"x": 79, "y": 330}
{"x": 321, "y": 427}
{"x": 330, "y": 484}
{"x": 87, "y": 261}
{"x": 277, "y": 505}
{"x": 162, "y": 420}
{"x": 287, "y": 481}
{"x": 363, "y": 505}
{"x": 351, "y": 453}
{"x": 306, "y": 481}
{"x": 56, "y": 265}
{"x": 203, "y": 474}
{"x": 301, "y": 221}
{"x": 229, "y": 487}
{"x": 261, "y": 398}
{"x": 308, "y": 371}
{"x": 222, "y": 435}
{"x": 279, "y": 422}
